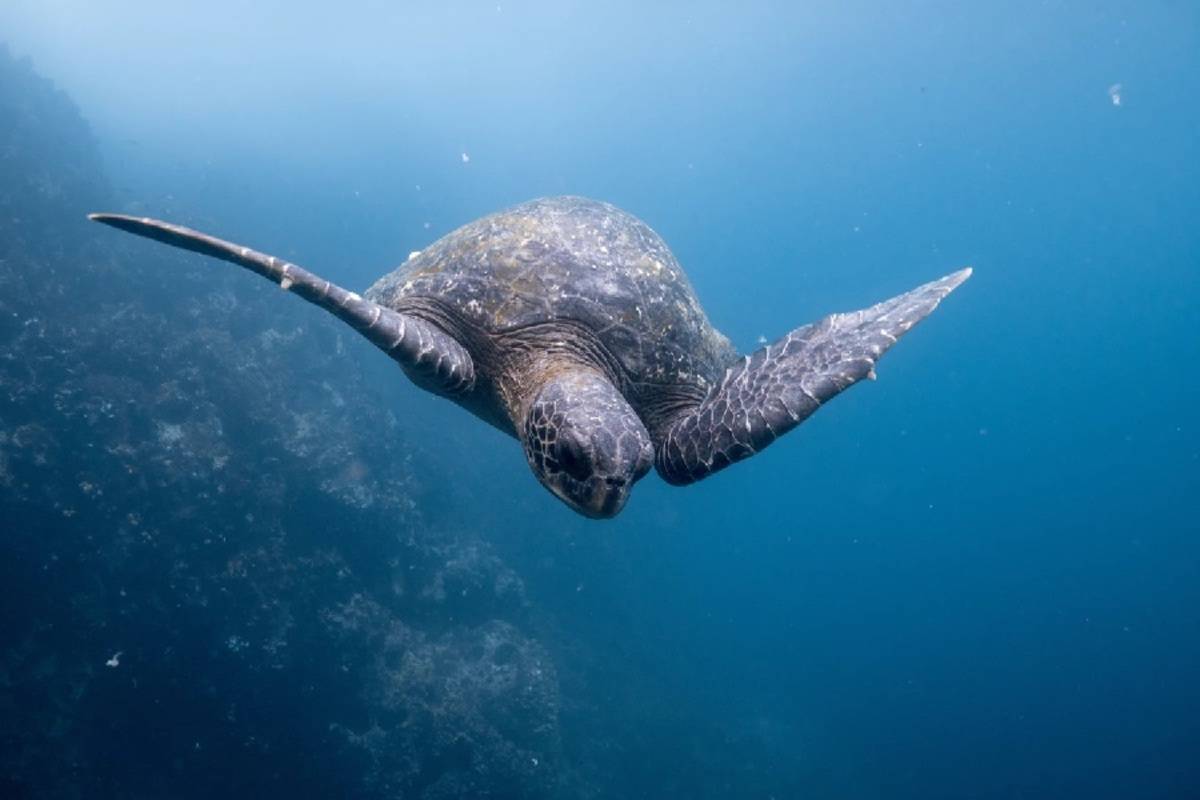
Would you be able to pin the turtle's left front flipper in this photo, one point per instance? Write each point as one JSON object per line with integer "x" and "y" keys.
{"x": 778, "y": 387}
{"x": 430, "y": 356}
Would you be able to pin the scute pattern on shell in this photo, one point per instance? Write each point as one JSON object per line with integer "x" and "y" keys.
{"x": 570, "y": 258}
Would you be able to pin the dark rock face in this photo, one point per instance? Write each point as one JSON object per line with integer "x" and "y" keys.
{"x": 48, "y": 161}
{"x": 472, "y": 712}
{"x": 217, "y": 577}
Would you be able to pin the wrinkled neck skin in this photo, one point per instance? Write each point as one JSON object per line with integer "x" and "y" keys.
{"x": 557, "y": 389}
{"x": 581, "y": 438}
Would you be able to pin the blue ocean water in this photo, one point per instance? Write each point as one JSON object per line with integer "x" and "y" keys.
{"x": 978, "y": 576}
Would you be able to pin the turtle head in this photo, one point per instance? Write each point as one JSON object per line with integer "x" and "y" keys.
{"x": 585, "y": 443}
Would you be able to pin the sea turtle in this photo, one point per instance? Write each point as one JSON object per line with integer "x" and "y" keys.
{"x": 567, "y": 323}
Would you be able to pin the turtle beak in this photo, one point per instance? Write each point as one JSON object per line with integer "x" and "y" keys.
{"x": 608, "y": 499}
{"x": 605, "y": 501}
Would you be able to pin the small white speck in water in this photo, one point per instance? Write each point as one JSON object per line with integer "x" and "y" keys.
{"x": 115, "y": 661}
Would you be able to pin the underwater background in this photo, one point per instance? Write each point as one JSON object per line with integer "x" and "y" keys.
{"x": 240, "y": 553}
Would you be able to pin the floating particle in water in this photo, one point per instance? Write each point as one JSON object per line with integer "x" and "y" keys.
{"x": 761, "y": 339}
{"x": 1114, "y": 94}
{"x": 115, "y": 661}
{"x": 427, "y": 225}
{"x": 466, "y": 159}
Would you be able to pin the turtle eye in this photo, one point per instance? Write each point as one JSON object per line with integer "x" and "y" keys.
{"x": 570, "y": 457}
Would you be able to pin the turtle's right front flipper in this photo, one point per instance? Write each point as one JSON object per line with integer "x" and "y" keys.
{"x": 431, "y": 357}
{"x": 775, "y": 389}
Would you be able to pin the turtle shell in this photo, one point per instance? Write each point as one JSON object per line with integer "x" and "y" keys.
{"x": 570, "y": 258}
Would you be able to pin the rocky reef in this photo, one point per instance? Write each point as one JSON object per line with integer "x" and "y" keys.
{"x": 218, "y": 579}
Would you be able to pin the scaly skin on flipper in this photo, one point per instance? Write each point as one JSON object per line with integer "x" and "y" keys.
{"x": 432, "y": 357}
{"x": 781, "y": 385}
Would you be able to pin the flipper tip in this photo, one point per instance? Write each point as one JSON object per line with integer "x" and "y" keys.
{"x": 142, "y": 226}
{"x": 955, "y": 278}
{"x": 942, "y": 286}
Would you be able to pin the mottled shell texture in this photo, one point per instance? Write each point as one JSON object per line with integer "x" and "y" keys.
{"x": 570, "y": 258}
